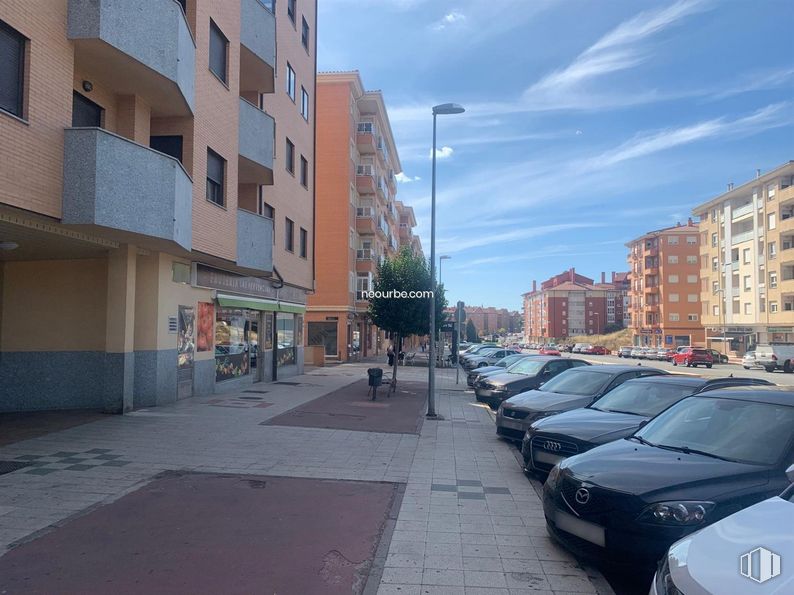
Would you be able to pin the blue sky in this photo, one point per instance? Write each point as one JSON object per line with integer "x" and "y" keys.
{"x": 588, "y": 123}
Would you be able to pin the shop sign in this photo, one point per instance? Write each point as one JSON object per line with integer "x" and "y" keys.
{"x": 780, "y": 329}
{"x": 668, "y": 339}
{"x": 205, "y": 276}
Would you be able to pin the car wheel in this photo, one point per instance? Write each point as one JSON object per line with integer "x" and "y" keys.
{"x": 675, "y": 363}
{"x": 746, "y": 367}
{"x": 688, "y": 364}
{"x": 770, "y": 368}
{"x": 708, "y": 366}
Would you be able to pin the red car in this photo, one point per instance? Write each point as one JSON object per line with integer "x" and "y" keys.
{"x": 692, "y": 357}
{"x": 597, "y": 350}
{"x": 549, "y": 351}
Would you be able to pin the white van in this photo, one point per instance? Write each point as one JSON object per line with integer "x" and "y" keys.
{"x": 775, "y": 357}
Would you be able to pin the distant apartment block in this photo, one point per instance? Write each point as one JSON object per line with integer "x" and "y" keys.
{"x": 156, "y": 198}
{"x": 747, "y": 262}
{"x": 488, "y": 320}
{"x": 570, "y": 304}
{"x": 359, "y": 220}
{"x": 664, "y": 300}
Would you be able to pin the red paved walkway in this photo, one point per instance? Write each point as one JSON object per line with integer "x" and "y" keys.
{"x": 197, "y": 534}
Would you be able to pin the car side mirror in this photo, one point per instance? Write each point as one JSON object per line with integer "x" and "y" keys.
{"x": 790, "y": 473}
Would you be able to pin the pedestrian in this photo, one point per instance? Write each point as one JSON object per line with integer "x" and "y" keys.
{"x": 390, "y": 354}
{"x": 422, "y": 345}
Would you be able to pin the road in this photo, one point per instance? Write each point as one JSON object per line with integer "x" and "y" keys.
{"x": 718, "y": 370}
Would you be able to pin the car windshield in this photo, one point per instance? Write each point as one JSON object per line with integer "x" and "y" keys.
{"x": 745, "y": 431}
{"x": 527, "y": 366}
{"x": 578, "y": 382}
{"x": 642, "y": 398}
{"x": 509, "y": 360}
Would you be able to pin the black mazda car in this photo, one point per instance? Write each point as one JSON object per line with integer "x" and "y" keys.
{"x": 472, "y": 376}
{"x": 619, "y": 413}
{"x": 704, "y": 458}
{"x": 570, "y": 390}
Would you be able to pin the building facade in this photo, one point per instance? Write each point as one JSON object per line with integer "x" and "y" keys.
{"x": 665, "y": 293}
{"x": 156, "y": 199}
{"x": 359, "y": 220}
{"x": 488, "y": 320}
{"x": 571, "y": 305}
{"x": 747, "y": 262}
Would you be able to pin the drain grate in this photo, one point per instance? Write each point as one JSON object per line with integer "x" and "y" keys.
{"x": 259, "y": 391}
{"x": 289, "y": 383}
{"x": 11, "y": 466}
{"x": 251, "y": 398}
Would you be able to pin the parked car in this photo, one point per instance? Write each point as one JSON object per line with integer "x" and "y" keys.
{"x": 749, "y": 361}
{"x": 691, "y": 357}
{"x": 717, "y": 357}
{"x": 488, "y": 358}
{"x": 597, "y": 350}
{"x": 696, "y": 563}
{"x": 499, "y": 367}
{"x": 700, "y": 460}
{"x": 525, "y": 375}
{"x": 625, "y": 352}
{"x": 570, "y": 390}
{"x": 578, "y": 347}
{"x": 665, "y": 354}
{"x": 618, "y": 414}
{"x": 639, "y": 353}
{"x": 565, "y": 348}
{"x": 775, "y": 357}
{"x": 478, "y": 350}
{"x": 549, "y": 350}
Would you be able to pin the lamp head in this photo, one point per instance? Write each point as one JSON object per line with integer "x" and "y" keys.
{"x": 448, "y": 108}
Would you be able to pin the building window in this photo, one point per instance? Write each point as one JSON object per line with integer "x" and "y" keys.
{"x": 713, "y": 215}
{"x": 772, "y": 250}
{"x": 672, "y": 240}
{"x": 289, "y": 159}
{"x": 674, "y": 317}
{"x": 746, "y": 256}
{"x": 715, "y": 264}
{"x": 772, "y": 279}
{"x": 216, "y": 168}
{"x": 12, "y": 70}
{"x": 304, "y": 239}
{"x": 715, "y": 310}
{"x": 85, "y": 113}
{"x": 305, "y": 33}
{"x": 692, "y": 240}
{"x": 673, "y": 297}
{"x": 672, "y": 278}
{"x": 714, "y": 240}
{"x": 304, "y": 172}
{"x": 773, "y": 306}
{"x": 170, "y": 145}
{"x": 691, "y": 278}
{"x": 219, "y": 51}
{"x": 748, "y": 308}
{"x": 304, "y": 103}
{"x": 672, "y": 259}
{"x": 770, "y": 193}
{"x": 289, "y": 235}
{"x": 747, "y": 285}
{"x": 290, "y": 82}
{"x": 692, "y": 298}
{"x": 291, "y": 10}
{"x": 691, "y": 259}
{"x": 772, "y": 221}
{"x": 692, "y": 317}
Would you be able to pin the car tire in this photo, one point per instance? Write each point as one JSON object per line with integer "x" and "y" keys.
{"x": 746, "y": 367}
{"x": 708, "y": 366}
{"x": 688, "y": 364}
{"x": 787, "y": 367}
{"x": 770, "y": 368}
{"x": 675, "y": 363}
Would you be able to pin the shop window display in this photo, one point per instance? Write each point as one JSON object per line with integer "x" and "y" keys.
{"x": 235, "y": 343}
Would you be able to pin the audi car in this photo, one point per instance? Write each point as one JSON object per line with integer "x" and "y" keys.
{"x": 503, "y": 364}
{"x": 527, "y": 374}
{"x": 704, "y": 458}
{"x": 618, "y": 414}
{"x": 570, "y": 390}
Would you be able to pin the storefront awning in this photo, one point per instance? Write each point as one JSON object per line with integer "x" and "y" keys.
{"x": 252, "y": 303}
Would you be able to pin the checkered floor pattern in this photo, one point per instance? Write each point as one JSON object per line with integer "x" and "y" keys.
{"x": 70, "y": 461}
{"x": 468, "y": 489}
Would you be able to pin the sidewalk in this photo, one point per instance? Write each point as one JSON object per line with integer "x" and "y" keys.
{"x": 469, "y": 521}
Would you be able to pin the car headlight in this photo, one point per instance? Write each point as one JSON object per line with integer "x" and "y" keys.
{"x": 664, "y": 581}
{"x": 553, "y": 478}
{"x": 501, "y": 410}
{"x": 677, "y": 513}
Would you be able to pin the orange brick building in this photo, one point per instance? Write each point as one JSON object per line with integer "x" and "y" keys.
{"x": 156, "y": 198}
{"x": 359, "y": 220}
{"x": 664, "y": 299}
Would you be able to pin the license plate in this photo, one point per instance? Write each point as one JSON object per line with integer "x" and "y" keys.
{"x": 583, "y": 529}
{"x": 546, "y": 457}
{"x": 512, "y": 423}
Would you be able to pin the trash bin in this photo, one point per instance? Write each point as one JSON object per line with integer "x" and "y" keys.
{"x": 375, "y": 378}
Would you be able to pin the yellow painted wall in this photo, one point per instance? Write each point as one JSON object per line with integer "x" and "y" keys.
{"x": 54, "y": 305}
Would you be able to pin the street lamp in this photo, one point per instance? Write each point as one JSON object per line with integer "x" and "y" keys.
{"x": 443, "y": 109}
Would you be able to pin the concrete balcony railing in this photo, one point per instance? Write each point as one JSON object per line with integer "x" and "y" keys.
{"x": 137, "y": 50}
{"x": 742, "y": 211}
{"x": 365, "y": 225}
{"x": 257, "y": 46}
{"x": 365, "y": 183}
{"x": 254, "y": 241}
{"x": 257, "y": 130}
{"x": 114, "y": 183}
{"x": 786, "y": 224}
{"x": 739, "y": 238}
{"x": 366, "y": 143}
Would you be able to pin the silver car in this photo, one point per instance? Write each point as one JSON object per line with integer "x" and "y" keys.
{"x": 749, "y": 362}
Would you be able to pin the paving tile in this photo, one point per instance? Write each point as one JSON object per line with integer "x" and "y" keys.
{"x": 480, "y": 578}
{"x": 443, "y": 562}
{"x": 574, "y": 584}
{"x": 485, "y": 551}
{"x": 526, "y": 580}
{"x": 391, "y": 589}
{"x": 404, "y": 560}
{"x": 434, "y": 576}
{"x": 402, "y": 576}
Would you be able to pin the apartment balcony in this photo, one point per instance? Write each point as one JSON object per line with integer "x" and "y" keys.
{"x": 365, "y": 220}
{"x": 254, "y": 242}
{"x": 365, "y": 179}
{"x": 366, "y": 138}
{"x": 366, "y": 266}
{"x": 742, "y": 212}
{"x": 392, "y": 181}
{"x": 256, "y": 130}
{"x": 652, "y": 308}
{"x": 734, "y": 265}
{"x": 651, "y": 271}
{"x": 257, "y": 47}
{"x": 786, "y": 225}
{"x": 405, "y": 231}
{"x": 113, "y": 183}
{"x": 786, "y": 286}
{"x": 651, "y": 251}
{"x": 132, "y": 50}
{"x": 652, "y": 289}
{"x": 740, "y": 238}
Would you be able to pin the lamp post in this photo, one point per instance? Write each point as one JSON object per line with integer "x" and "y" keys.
{"x": 443, "y": 109}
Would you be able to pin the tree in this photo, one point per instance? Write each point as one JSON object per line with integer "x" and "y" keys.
{"x": 390, "y": 308}
{"x": 471, "y": 332}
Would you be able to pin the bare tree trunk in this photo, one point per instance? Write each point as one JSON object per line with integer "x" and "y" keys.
{"x": 396, "y": 344}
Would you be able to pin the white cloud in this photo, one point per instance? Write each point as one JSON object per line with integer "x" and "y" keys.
{"x": 449, "y": 19}
{"x": 503, "y": 239}
{"x": 442, "y": 153}
{"x": 403, "y": 179}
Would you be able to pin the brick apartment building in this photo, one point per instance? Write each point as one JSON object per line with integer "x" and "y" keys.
{"x": 665, "y": 287}
{"x": 570, "y": 304}
{"x": 488, "y": 320}
{"x": 156, "y": 198}
{"x": 359, "y": 220}
{"x": 747, "y": 291}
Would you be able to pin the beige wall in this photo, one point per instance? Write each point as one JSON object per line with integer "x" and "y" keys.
{"x": 54, "y": 305}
